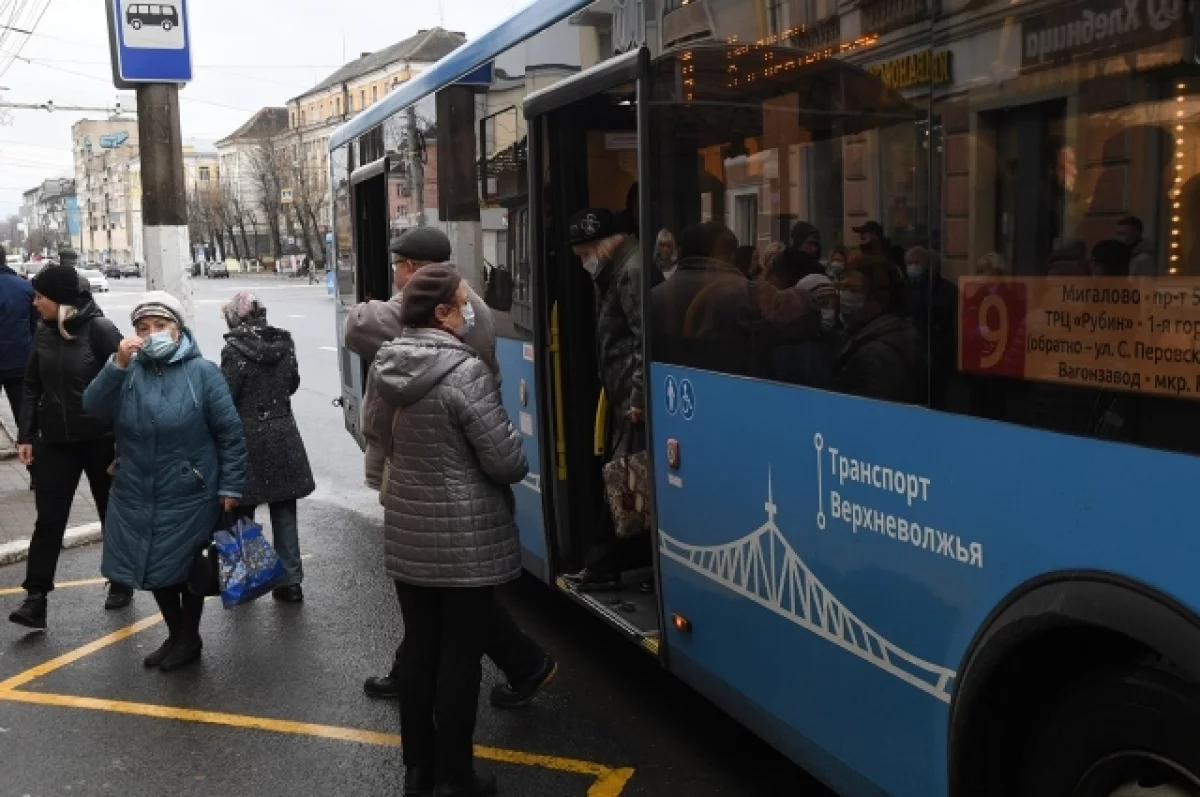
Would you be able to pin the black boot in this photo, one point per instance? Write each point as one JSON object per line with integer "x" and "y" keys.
{"x": 119, "y": 596}
{"x": 418, "y": 782}
{"x": 32, "y": 612}
{"x": 182, "y": 653}
{"x": 477, "y": 786}
{"x": 156, "y": 658}
{"x": 382, "y": 688}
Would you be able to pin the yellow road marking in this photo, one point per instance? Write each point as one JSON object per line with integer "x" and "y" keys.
{"x": 87, "y": 582}
{"x": 609, "y": 781}
{"x": 33, "y": 673}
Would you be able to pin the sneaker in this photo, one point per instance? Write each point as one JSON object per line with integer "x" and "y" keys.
{"x": 31, "y": 613}
{"x": 181, "y": 655}
{"x": 289, "y": 594}
{"x": 119, "y": 596}
{"x": 418, "y": 782}
{"x": 156, "y": 658}
{"x": 384, "y": 688}
{"x": 477, "y": 786}
{"x": 522, "y": 693}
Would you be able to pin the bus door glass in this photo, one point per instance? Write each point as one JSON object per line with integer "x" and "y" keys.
{"x": 589, "y": 277}
{"x": 371, "y": 273}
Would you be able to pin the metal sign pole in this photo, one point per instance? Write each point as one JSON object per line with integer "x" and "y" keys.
{"x": 151, "y": 52}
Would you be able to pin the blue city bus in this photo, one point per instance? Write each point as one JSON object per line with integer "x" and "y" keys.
{"x": 920, "y": 303}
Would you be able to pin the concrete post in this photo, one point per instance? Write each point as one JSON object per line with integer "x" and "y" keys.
{"x": 164, "y": 193}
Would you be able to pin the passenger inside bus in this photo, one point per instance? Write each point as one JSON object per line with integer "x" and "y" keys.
{"x": 611, "y": 254}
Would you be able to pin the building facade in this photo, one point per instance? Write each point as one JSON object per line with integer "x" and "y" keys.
{"x": 103, "y": 150}
{"x": 250, "y": 179}
{"x": 50, "y": 213}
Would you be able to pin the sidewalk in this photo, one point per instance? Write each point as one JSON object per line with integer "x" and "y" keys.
{"x": 17, "y": 510}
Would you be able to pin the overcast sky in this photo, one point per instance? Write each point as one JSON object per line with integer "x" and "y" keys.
{"x": 246, "y": 55}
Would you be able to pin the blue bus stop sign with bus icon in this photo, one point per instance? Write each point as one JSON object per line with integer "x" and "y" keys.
{"x": 151, "y": 42}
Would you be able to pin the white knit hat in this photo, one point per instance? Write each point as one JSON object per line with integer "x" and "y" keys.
{"x": 158, "y": 304}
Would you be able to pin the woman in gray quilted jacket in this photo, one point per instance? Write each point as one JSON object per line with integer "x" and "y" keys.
{"x": 448, "y": 526}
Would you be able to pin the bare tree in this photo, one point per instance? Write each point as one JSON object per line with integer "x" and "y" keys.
{"x": 266, "y": 163}
{"x": 310, "y": 199}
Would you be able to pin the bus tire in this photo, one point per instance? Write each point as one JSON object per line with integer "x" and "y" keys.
{"x": 1115, "y": 728}
{"x": 167, "y": 24}
{"x": 136, "y": 24}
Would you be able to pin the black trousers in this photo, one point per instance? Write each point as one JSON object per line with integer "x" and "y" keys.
{"x": 57, "y": 467}
{"x": 440, "y": 671}
{"x": 509, "y": 648}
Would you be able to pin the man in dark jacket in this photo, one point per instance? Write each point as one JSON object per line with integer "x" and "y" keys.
{"x": 18, "y": 323}
{"x": 56, "y": 435}
{"x": 613, "y": 259}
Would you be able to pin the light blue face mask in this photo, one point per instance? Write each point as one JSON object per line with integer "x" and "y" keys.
{"x": 828, "y": 318}
{"x": 159, "y": 345}
{"x": 915, "y": 273}
{"x": 835, "y": 269}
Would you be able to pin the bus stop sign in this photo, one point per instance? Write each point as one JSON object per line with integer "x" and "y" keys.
{"x": 150, "y": 42}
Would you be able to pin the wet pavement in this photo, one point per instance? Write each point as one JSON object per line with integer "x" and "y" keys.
{"x": 276, "y": 708}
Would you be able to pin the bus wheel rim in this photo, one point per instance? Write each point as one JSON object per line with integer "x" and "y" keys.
{"x": 1136, "y": 773}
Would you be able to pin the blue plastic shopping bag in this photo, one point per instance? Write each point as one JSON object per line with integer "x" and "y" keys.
{"x": 249, "y": 566}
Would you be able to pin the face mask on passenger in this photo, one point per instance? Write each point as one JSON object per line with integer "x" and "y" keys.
{"x": 835, "y": 269}
{"x": 592, "y": 264}
{"x": 915, "y": 273}
{"x": 852, "y": 305}
{"x": 159, "y": 344}
{"x": 828, "y": 318}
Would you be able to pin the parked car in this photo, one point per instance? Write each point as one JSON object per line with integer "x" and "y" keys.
{"x": 216, "y": 270}
{"x": 112, "y": 271}
{"x": 96, "y": 280}
{"x": 131, "y": 269}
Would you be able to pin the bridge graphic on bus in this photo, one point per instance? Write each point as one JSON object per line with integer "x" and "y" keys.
{"x": 763, "y": 567}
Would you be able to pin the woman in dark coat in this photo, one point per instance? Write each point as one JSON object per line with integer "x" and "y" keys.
{"x": 259, "y": 363}
{"x": 57, "y": 436}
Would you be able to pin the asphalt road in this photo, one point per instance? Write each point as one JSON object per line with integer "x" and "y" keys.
{"x": 276, "y": 708}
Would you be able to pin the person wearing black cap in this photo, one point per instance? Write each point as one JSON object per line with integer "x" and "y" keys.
{"x": 368, "y": 327}
{"x": 449, "y": 534}
{"x": 372, "y": 323}
{"x": 56, "y": 435}
{"x": 613, "y": 259}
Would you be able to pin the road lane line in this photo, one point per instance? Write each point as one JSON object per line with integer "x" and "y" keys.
{"x": 609, "y": 781}
{"x": 87, "y": 582}
{"x": 33, "y": 673}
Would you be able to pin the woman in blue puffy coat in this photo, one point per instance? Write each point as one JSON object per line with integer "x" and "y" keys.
{"x": 181, "y": 459}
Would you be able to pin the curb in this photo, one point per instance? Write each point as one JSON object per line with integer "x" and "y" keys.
{"x": 77, "y": 537}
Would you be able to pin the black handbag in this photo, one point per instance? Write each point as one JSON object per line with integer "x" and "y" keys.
{"x": 204, "y": 577}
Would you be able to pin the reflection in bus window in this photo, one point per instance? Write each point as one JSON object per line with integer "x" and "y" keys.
{"x": 1070, "y": 229}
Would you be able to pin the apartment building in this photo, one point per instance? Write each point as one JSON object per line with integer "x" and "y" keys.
{"x": 103, "y": 150}
{"x": 238, "y": 155}
{"x": 50, "y": 213}
{"x": 201, "y": 168}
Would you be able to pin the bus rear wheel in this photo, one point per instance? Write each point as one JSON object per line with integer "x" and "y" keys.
{"x": 1128, "y": 733}
{"x": 167, "y": 24}
{"x": 136, "y": 24}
